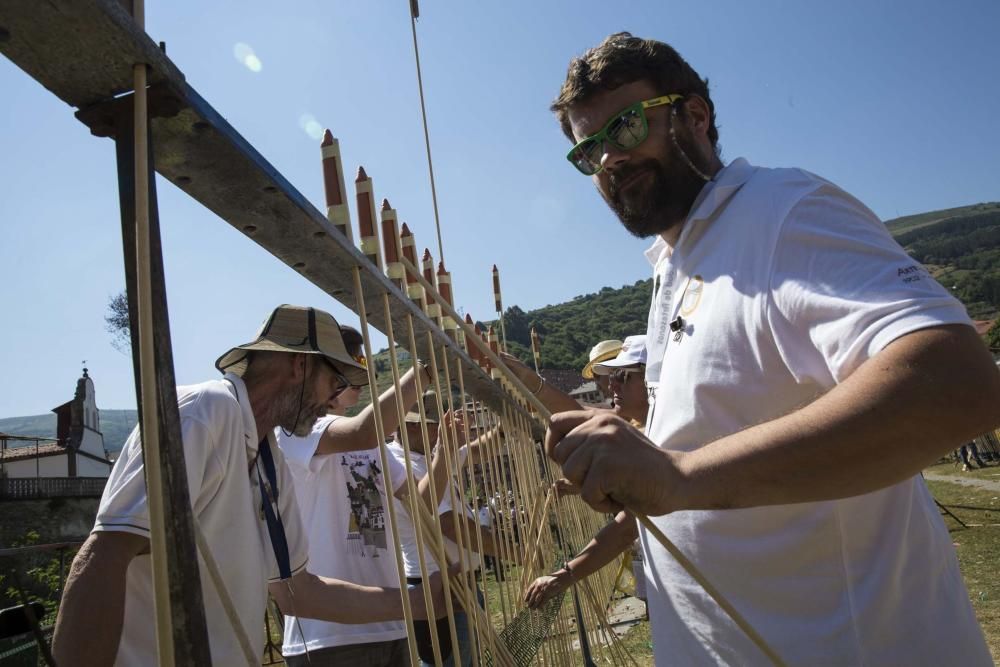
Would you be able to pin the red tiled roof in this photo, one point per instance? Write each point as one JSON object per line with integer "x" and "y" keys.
{"x": 563, "y": 380}
{"x": 29, "y": 452}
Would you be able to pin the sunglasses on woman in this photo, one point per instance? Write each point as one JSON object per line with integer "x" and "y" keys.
{"x": 626, "y": 130}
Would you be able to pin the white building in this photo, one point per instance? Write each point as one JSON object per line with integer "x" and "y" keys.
{"x": 77, "y": 451}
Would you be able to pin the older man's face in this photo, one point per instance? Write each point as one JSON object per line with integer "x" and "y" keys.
{"x": 298, "y": 408}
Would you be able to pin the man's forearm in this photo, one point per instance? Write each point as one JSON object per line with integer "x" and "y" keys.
{"x": 922, "y": 396}
{"x": 96, "y": 581}
{"x": 609, "y": 542}
{"x": 310, "y": 596}
{"x": 358, "y": 432}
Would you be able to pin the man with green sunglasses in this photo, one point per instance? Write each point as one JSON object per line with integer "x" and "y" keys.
{"x": 796, "y": 362}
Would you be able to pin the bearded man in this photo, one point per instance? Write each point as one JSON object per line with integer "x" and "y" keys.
{"x": 286, "y": 377}
{"x": 802, "y": 371}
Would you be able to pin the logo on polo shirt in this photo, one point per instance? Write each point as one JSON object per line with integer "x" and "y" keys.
{"x": 692, "y": 295}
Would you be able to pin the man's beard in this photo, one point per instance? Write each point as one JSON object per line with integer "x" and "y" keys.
{"x": 665, "y": 199}
{"x": 297, "y": 410}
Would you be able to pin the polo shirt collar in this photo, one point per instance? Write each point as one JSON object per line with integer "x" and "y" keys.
{"x": 243, "y": 398}
{"x": 715, "y": 193}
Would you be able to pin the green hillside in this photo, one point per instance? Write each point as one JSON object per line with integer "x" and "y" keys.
{"x": 961, "y": 248}
{"x": 116, "y": 425}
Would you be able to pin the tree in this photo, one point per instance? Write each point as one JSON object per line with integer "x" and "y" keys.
{"x": 992, "y": 337}
{"x": 116, "y": 323}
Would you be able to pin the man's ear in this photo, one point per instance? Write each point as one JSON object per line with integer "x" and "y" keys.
{"x": 697, "y": 115}
{"x": 299, "y": 364}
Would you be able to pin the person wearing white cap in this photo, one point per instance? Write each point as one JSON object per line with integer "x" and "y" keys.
{"x": 286, "y": 377}
{"x": 628, "y": 390}
{"x": 626, "y": 380}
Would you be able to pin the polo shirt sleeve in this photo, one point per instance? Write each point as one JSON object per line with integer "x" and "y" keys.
{"x": 291, "y": 520}
{"x": 841, "y": 288}
{"x": 124, "y": 504}
{"x": 300, "y": 451}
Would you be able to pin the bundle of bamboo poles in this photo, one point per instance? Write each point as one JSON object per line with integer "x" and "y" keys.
{"x": 536, "y": 530}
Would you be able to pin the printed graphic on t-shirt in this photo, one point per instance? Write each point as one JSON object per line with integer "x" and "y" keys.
{"x": 366, "y": 532}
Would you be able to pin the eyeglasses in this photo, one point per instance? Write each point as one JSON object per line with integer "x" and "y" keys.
{"x": 626, "y": 130}
{"x": 621, "y": 375}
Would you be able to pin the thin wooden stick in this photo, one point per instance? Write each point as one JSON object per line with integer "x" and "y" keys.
{"x": 411, "y": 641}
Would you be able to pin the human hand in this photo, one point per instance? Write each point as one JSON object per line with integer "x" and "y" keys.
{"x": 455, "y": 419}
{"x": 612, "y": 464}
{"x": 519, "y": 368}
{"x": 546, "y": 587}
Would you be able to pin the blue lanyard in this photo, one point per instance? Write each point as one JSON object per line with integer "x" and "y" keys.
{"x": 269, "y": 504}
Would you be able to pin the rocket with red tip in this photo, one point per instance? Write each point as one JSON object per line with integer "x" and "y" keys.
{"x": 391, "y": 244}
{"x": 408, "y": 243}
{"x": 333, "y": 184}
{"x": 367, "y": 225}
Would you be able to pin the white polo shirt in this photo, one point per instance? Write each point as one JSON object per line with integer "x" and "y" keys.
{"x": 220, "y": 439}
{"x": 408, "y": 538}
{"x": 785, "y": 285}
{"x": 344, "y": 510}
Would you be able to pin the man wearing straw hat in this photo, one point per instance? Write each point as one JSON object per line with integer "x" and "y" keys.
{"x": 802, "y": 368}
{"x": 242, "y": 500}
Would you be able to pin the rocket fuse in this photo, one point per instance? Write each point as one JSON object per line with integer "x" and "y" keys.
{"x": 408, "y": 244}
{"x": 333, "y": 184}
{"x": 367, "y": 225}
{"x": 390, "y": 242}
{"x": 433, "y": 309}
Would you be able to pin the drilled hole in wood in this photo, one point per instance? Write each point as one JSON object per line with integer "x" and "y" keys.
{"x": 319, "y": 235}
{"x": 270, "y": 189}
{"x": 200, "y": 125}
{"x": 299, "y": 265}
{"x": 250, "y": 229}
{"x": 4, "y": 34}
{"x": 183, "y": 180}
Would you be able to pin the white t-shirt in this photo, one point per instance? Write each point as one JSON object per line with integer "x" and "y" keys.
{"x": 342, "y": 499}
{"x": 786, "y": 285}
{"x": 408, "y": 541}
{"x": 220, "y": 439}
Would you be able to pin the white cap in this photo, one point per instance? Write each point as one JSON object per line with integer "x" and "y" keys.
{"x": 633, "y": 353}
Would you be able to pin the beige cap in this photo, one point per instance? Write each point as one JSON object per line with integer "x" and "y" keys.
{"x": 302, "y": 330}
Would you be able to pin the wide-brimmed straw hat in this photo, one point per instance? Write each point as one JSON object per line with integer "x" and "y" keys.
{"x": 301, "y": 330}
{"x": 633, "y": 353}
{"x": 606, "y": 349}
{"x": 430, "y": 409}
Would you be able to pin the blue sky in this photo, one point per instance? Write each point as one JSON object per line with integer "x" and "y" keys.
{"x": 895, "y": 101}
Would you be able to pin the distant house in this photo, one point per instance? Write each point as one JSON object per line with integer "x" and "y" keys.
{"x": 77, "y": 451}
{"x": 588, "y": 393}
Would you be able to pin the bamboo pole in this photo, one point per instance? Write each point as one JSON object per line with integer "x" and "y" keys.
{"x": 411, "y": 641}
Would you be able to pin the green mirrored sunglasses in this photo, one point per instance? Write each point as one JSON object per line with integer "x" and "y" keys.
{"x": 626, "y": 130}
